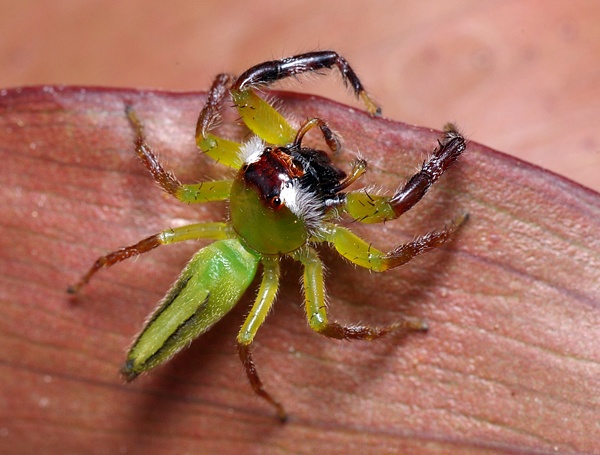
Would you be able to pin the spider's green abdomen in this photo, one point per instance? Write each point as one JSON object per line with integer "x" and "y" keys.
{"x": 209, "y": 286}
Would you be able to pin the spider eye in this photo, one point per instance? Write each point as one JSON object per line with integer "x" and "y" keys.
{"x": 275, "y": 202}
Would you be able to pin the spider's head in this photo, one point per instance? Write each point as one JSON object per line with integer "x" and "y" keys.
{"x": 281, "y": 195}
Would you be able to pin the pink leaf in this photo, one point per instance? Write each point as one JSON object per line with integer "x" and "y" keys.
{"x": 511, "y": 362}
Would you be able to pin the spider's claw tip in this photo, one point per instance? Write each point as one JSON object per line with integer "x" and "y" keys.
{"x": 417, "y": 324}
{"x": 282, "y": 415}
{"x": 72, "y": 289}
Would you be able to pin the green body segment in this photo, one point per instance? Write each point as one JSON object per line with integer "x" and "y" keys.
{"x": 356, "y": 250}
{"x": 264, "y": 300}
{"x": 314, "y": 288}
{"x": 221, "y": 150}
{"x": 215, "y": 190}
{"x": 258, "y": 115}
{"x": 369, "y": 208}
{"x": 209, "y": 286}
{"x": 262, "y": 118}
{"x": 270, "y": 232}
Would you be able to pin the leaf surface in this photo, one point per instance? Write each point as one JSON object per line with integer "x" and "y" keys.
{"x": 511, "y": 362}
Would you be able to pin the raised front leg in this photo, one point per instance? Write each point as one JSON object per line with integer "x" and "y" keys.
{"x": 268, "y": 72}
{"x": 262, "y": 118}
{"x": 370, "y": 208}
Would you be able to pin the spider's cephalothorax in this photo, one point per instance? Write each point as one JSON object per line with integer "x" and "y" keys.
{"x": 281, "y": 196}
{"x": 283, "y": 201}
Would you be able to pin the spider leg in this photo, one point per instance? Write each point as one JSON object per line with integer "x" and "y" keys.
{"x": 363, "y": 254}
{"x": 258, "y": 115}
{"x": 217, "y": 190}
{"x": 214, "y": 231}
{"x": 268, "y": 72}
{"x": 369, "y": 208}
{"x": 316, "y": 309}
{"x": 221, "y": 150}
{"x": 258, "y": 313}
{"x": 262, "y": 118}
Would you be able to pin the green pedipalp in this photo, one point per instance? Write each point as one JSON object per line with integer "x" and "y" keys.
{"x": 209, "y": 286}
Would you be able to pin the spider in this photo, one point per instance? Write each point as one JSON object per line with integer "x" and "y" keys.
{"x": 284, "y": 200}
